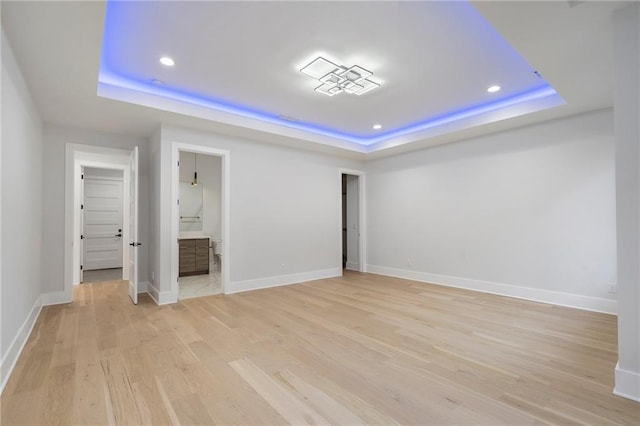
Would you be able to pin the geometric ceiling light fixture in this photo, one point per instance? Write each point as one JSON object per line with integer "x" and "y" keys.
{"x": 336, "y": 79}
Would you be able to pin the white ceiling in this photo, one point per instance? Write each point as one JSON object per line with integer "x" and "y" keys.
{"x": 259, "y": 48}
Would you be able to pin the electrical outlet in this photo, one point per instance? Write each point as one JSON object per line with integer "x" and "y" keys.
{"x": 153, "y": 276}
{"x": 612, "y": 288}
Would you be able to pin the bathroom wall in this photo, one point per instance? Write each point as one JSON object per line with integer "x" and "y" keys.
{"x": 209, "y": 176}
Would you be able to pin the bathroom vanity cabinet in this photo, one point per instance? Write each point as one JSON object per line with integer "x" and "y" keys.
{"x": 194, "y": 256}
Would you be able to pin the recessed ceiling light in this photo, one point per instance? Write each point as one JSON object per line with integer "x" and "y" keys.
{"x": 493, "y": 89}
{"x": 165, "y": 60}
{"x": 377, "y": 126}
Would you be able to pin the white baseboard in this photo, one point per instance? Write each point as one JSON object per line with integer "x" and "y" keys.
{"x": 153, "y": 292}
{"x": 280, "y": 280}
{"x": 627, "y": 384}
{"x": 17, "y": 345}
{"x": 55, "y": 298}
{"x": 142, "y": 287}
{"x": 160, "y": 297}
{"x": 352, "y": 266}
{"x": 546, "y": 296}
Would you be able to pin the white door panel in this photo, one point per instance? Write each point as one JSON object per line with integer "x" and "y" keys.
{"x": 113, "y": 204}
{"x": 102, "y": 187}
{"x": 102, "y": 223}
{"x": 133, "y": 226}
{"x": 104, "y": 230}
{"x": 102, "y": 218}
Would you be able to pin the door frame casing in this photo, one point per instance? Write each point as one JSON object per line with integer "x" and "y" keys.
{"x": 362, "y": 210}
{"x": 76, "y": 157}
{"x": 225, "y": 236}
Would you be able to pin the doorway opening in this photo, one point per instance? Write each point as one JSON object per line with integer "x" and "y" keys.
{"x": 102, "y": 219}
{"x": 199, "y": 221}
{"x": 199, "y": 225}
{"x": 123, "y": 163}
{"x": 352, "y": 220}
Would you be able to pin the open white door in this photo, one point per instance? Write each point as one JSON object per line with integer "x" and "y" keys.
{"x": 81, "y": 226}
{"x": 133, "y": 226}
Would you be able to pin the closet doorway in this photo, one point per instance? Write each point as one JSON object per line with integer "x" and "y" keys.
{"x": 102, "y": 225}
{"x": 77, "y": 159}
{"x": 352, "y": 220}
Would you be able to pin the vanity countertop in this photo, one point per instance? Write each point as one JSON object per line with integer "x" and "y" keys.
{"x": 194, "y": 234}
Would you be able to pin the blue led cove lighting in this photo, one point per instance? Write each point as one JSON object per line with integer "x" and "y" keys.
{"x": 117, "y": 33}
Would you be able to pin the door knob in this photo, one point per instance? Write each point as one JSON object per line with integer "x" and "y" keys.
{"x": 118, "y": 235}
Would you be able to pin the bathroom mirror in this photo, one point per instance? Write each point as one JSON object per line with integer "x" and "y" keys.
{"x": 190, "y": 207}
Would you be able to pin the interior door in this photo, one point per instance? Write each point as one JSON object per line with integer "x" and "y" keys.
{"x": 102, "y": 221}
{"x": 81, "y": 226}
{"x": 133, "y": 226}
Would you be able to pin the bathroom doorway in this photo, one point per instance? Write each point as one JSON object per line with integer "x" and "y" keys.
{"x": 200, "y": 224}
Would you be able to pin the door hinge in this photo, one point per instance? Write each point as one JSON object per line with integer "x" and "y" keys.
{"x": 82, "y": 176}
{"x": 178, "y": 200}
{"x": 82, "y": 237}
{"x": 81, "y": 267}
{"x": 178, "y": 163}
{"x": 81, "y": 206}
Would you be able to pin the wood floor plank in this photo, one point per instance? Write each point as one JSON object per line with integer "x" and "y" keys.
{"x": 58, "y": 396}
{"x": 230, "y": 399}
{"x": 22, "y": 408}
{"x": 357, "y": 349}
{"x": 190, "y": 410}
{"x": 166, "y": 403}
{"x": 282, "y": 400}
{"x": 89, "y": 402}
{"x": 120, "y": 390}
{"x": 324, "y": 404}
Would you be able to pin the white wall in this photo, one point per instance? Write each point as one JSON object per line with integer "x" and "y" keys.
{"x": 21, "y": 183}
{"x": 284, "y": 213}
{"x": 156, "y": 267}
{"x": 55, "y": 139}
{"x": 530, "y": 208}
{"x": 627, "y": 130}
{"x": 353, "y": 231}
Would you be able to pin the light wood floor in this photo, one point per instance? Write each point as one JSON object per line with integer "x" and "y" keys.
{"x": 352, "y": 350}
